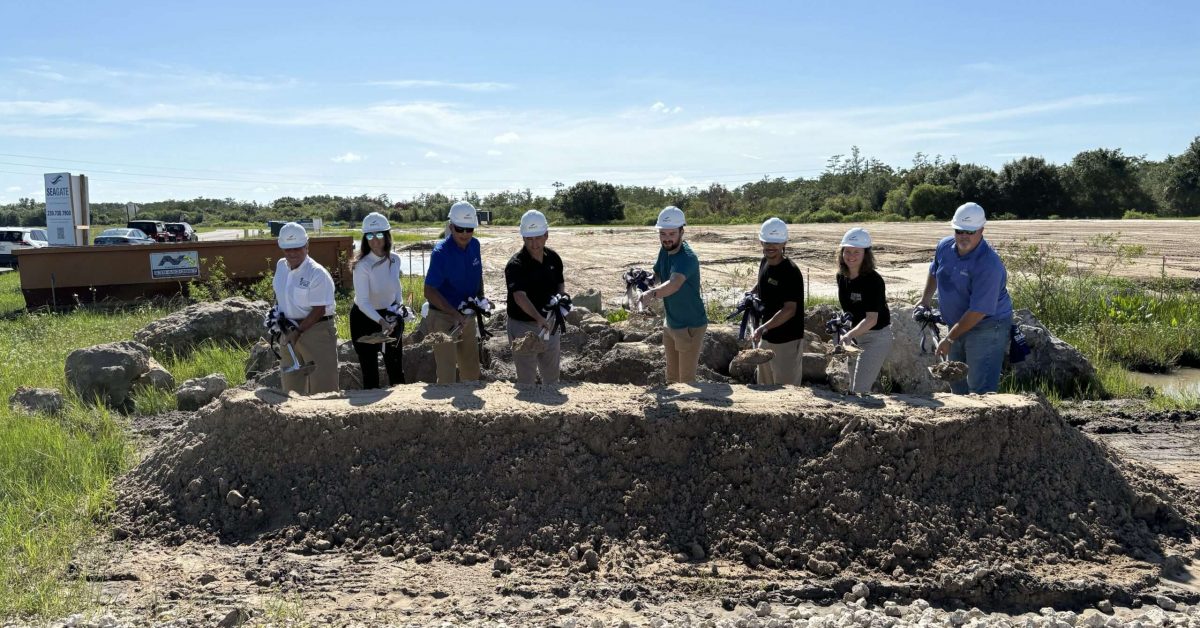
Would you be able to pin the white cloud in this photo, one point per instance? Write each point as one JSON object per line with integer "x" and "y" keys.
{"x": 156, "y": 76}
{"x": 660, "y": 107}
{"x": 431, "y": 155}
{"x": 466, "y": 87}
{"x": 506, "y": 138}
{"x": 347, "y": 158}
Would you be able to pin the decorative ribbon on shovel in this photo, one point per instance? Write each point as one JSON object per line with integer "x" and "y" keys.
{"x": 928, "y": 320}
{"x": 480, "y": 308}
{"x": 751, "y": 309}
{"x": 838, "y": 327}
{"x": 637, "y": 281}
{"x": 556, "y": 311}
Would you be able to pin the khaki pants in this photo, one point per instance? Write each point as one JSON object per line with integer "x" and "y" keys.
{"x": 683, "y": 352}
{"x": 529, "y": 365}
{"x": 462, "y": 357}
{"x": 875, "y": 345}
{"x": 786, "y": 367}
{"x": 317, "y": 345}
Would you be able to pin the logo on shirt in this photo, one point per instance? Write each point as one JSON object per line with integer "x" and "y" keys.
{"x": 773, "y": 282}
{"x": 304, "y": 282}
{"x": 856, "y": 297}
{"x": 475, "y": 262}
{"x": 964, "y": 272}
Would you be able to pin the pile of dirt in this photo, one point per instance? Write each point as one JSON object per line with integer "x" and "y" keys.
{"x": 949, "y": 371}
{"x": 997, "y": 494}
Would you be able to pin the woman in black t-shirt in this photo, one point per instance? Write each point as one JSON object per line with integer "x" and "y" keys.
{"x": 862, "y": 294}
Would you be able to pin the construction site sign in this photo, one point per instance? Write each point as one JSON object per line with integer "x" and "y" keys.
{"x": 174, "y": 265}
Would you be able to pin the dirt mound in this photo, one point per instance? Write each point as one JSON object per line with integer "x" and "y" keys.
{"x": 998, "y": 492}
{"x": 949, "y": 371}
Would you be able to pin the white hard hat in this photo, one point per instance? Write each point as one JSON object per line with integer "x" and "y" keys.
{"x": 773, "y": 231}
{"x": 292, "y": 236}
{"x": 533, "y": 224}
{"x": 857, "y": 237}
{"x": 671, "y": 217}
{"x": 968, "y": 216}
{"x": 375, "y": 221}
{"x": 462, "y": 214}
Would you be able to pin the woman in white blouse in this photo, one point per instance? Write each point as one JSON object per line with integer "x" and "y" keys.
{"x": 376, "y": 290}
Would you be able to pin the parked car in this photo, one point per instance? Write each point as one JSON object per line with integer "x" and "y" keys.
{"x": 183, "y": 232}
{"x": 14, "y": 238}
{"x": 155, "y": 229}
{"x": 123, "y": 236}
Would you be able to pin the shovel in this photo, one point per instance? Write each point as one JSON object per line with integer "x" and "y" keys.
{"x": 377, "y": 338}
{"x": 296, "y": 368}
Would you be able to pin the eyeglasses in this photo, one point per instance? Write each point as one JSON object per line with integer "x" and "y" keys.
{"x": 458, "y": 229}
{"x": 378, "y": 235}
{"x": 965, "y": 231}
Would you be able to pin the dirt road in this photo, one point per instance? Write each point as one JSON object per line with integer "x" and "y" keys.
{"x": 596, "y": 256}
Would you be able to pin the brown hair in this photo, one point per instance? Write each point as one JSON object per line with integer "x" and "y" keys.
{"x": 364, "y": 249}
{"x": 868, "y": 263}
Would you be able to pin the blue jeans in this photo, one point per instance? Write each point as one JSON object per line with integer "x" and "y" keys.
{"x": 983, "y": 350}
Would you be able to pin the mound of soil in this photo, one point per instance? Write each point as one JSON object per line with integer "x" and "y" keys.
{"x": 608, "y": 475}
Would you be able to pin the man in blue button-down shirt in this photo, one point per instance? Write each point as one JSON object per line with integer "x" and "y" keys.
{"x": 970, "y": 280}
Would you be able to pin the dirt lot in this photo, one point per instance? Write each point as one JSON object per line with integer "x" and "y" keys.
{"x": 596, "y": 256}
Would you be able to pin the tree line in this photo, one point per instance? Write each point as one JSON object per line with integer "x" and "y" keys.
{"x": 1099, "y": 183}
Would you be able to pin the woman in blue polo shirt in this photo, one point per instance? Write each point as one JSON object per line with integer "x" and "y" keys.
{"x": 971, "y": 284}
{"x": 455, "y": 274}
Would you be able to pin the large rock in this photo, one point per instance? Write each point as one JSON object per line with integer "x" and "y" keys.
{"x": 906, "y": 366}
{"x": 589, "y": 299}
{"x": 260, "y": 360}
{"x": 33, "y": 400}
{"x": 157, "y": 377}
{"x": 195, "y": 393}
{"x": 637, "y": 327}
{"x": 577, "y": 313}
{"x": 814, "y": 368}
{"x": 1050, "y": 359}
{"x": 720, "y": 346}
{"x": 235, "y": 321}
{"x": 625, "y": 363}
{"x": 815, "y": 318}
{"x": 107, "y": 372}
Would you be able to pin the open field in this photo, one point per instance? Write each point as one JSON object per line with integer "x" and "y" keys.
{"x": 596, "y": 256}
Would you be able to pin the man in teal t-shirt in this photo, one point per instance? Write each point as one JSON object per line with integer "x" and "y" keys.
{"x": 677, "y": 273}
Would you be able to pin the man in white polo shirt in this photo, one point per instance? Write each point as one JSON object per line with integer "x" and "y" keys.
{"x": 304, "y": 294}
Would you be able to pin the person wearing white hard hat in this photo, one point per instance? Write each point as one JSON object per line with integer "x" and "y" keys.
{"x": 304, "y": 296}
{"x": 972, "y": 290}
{"x": 534, "y": 276}
{"x": 862, "y": 294}
{"x": 780, "y": 287}
{"x": 677, "y": 275}
{"x": 455, "y": 274}
{"x": 376, "y": 289}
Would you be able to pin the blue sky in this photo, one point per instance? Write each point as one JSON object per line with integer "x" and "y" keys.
{"x": 261, "y": 100}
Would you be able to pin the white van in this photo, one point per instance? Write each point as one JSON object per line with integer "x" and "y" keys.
{"x": 12, "y": 238}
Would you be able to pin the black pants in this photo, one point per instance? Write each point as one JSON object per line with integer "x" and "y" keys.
{"x": 368, "y": 354}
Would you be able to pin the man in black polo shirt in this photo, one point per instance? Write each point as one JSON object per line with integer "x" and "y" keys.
{"x": 534, "y": 275}
{"x": 781, "y": 289}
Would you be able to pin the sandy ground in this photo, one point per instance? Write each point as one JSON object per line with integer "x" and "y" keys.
{"x": 596, "y": 256}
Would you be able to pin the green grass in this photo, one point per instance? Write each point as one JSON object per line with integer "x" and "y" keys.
{"x": 56, "y": 472}
{"x": 11, "y": 299}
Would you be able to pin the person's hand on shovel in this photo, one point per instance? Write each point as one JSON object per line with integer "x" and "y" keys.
{"x": 943, "y": 348}
{"x": 756, "y": 336}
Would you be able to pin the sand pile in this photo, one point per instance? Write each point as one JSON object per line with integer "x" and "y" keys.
{"x": 604, "y": 473}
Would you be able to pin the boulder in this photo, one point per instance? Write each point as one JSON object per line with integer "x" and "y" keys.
{"x": 1050, "y": 359}
{"x": 260, "y": 360}
{"x": 235, "y": 320}
{"x": 157, "y": 377}
{"x": 350, "y": 376}
{"x": 814, "y": 367}
{"x": 837, "y": 372}
{"x": 590, "y": 299}
{"x": 418, "y": 361}
{"x": 720, "y": 346}
{"x": 33, "y": 400}
{"x": 637, "y": 328}
{"x": 626, "y": 363}
{"x": 815, "y": 318}
{"x": 107, "y": 371}
{"x": 197, "y": 392}
{"x": 577, "y": 314}
{"x": 906, "y": 366}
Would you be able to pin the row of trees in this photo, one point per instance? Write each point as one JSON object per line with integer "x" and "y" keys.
{"x": 1100, "y": 183}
